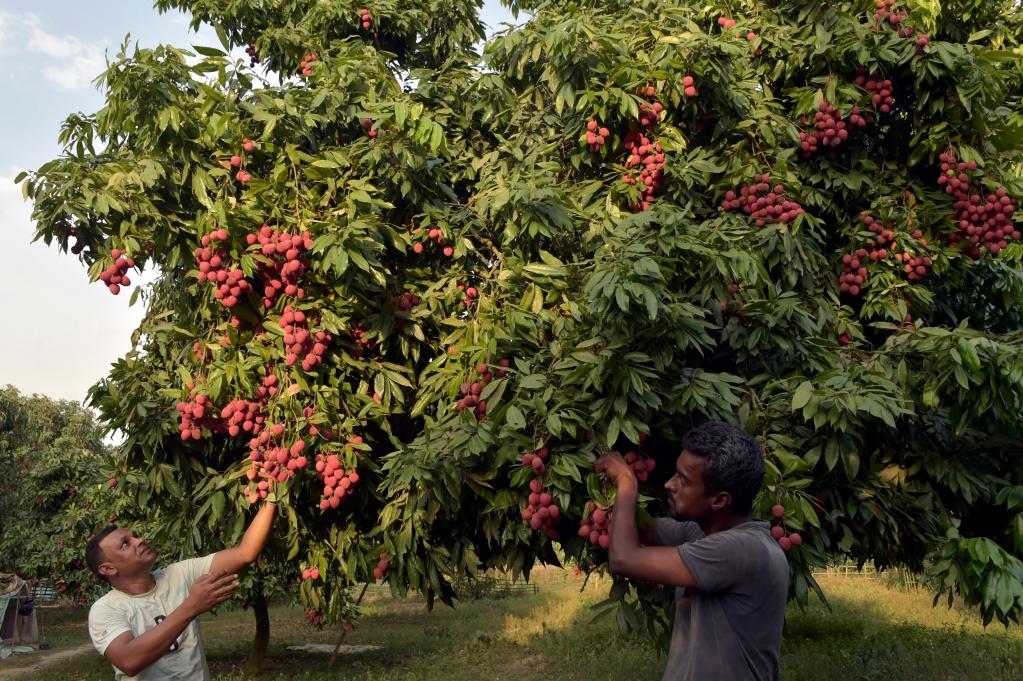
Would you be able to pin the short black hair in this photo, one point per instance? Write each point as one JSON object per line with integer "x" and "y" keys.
{"x": 94, "y": 554}
{"x": 733, "y": 461}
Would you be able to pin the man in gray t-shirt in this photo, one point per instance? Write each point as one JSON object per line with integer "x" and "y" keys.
{"x": 731, "y": 576}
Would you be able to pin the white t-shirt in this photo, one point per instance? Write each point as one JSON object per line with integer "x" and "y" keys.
{"x": 118, "y": 612}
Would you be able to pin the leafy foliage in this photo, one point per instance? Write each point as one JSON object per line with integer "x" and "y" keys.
{"x": 53, "y": 494}
{"x": 629, "y": 307}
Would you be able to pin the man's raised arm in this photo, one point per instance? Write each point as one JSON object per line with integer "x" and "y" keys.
{"x": 626, "y": 555}
{"x": 238, "y": 557}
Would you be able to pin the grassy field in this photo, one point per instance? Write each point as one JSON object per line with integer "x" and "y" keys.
{"x": 873, "y": 631}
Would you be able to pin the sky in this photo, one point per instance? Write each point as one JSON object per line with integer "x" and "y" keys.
{"x": 60, "y": 333}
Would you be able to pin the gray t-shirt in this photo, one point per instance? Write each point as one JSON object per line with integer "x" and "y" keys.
{"x": 729, "y": 627}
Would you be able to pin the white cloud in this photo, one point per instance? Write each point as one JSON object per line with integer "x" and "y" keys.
{"x": 78, "y": 62}
{"x": 65, "y": 60}
{"x": 7, "y": 22}
{"x": 68, "y": 331}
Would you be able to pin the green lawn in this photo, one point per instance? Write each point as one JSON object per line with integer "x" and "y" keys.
{"x": 873, "y": 632}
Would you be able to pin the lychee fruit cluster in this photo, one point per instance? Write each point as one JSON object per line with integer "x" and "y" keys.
{"x": 885, "y": 238}
{"x": 763, "y": 202}
{"x": 887, "y": 14}
{"x": 880, "y": 91}
{"x": 536, "y": 460}
{"x": 471, "y": 391}
{"x": 982, "y": 221}
{"x": 689, "y": 86}
{"x": 268, "y": 389}
{"x": 829, "y": 129}
{"x": 251, "y": 51}
{"x": 211, "y": 259}
{"x": 196, "y": 413}
{"x": 727, "y": 24}
{"x": 201, "y": 353}
{"x": 596, "y": 136}
{"x": 596, "y": 524}
{"x": 541, "y": 513}
{"x": 367, "y": 125}
{"x": 314, "y": 617}
{"x": 286, "y": 265}
{"x": 915, "y": 266}
{"x": 430, "y": 238}
{"x": 854, "y": 272}
{"x": 337, "y": 481}
{"x": 362, "y": 342}
{"x": 307, "y": 63}
{"x": 728, "y": 302}
{"x": 365, "y": 18}
{"x": 314, "y": 430}
{"x": 855, "y": 264}
{"x": 649, "y": 157}
{"x": 403, "y": 304}
{"x": 299, "y": 342}
{"x": 382, "y": 565}
{"x": 243, "y": 416}
{"x": 649, "y": 113}
{"x": 232, "y": 288}
{"x": 311, "y": 573}
{"x": 271, "y": 461}
{"x": 471, "y": 293}
{"x": 641, "y": 465}
{"x": 116, "y": 275}
{"x": 785, "y": 541}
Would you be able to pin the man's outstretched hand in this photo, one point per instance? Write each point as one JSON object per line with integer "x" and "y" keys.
{"x": 211, "y": 590}
{"x": 617, "y": 471}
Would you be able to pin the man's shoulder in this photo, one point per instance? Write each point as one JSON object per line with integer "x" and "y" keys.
{"x": 752, "y": 532}
{"x": 106, "y": 603}
{"x": 749, "y": 546}
{"x": 758, "y": 532}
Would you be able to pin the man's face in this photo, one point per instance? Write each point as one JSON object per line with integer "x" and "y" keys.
{"x": 125, "y": 555}
{"x": 687, "y": 494}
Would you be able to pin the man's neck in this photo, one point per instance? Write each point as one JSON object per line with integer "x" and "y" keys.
{"x": 135, "y": 586}
{"x": 720, "y": 523}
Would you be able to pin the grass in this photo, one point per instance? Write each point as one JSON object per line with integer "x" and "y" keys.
{"x": 874, "y": 631}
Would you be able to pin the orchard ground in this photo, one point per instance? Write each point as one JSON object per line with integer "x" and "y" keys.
{"x": 875, "y": 630}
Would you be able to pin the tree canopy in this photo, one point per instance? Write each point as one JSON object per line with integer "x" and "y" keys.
{"x": 413, "y": 290}
{"x": 53, "y": 492}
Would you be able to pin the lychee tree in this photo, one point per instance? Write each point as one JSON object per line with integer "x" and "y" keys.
{"x": 413, "y": 293}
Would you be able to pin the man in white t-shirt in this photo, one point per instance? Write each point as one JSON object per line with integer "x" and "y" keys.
{"x": 147, "y": 626}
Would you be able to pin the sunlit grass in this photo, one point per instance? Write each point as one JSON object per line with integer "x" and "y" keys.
{"x": 873, "y": 631}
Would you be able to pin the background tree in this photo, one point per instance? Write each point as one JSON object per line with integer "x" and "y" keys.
{"x": 414, "y": 292}
{"x": 53, "y": 494}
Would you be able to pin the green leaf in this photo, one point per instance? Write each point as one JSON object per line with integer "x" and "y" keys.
{"x": 802, "y": 395}
{"x": 514, "y": 418}
{"x": 533, "y": 382}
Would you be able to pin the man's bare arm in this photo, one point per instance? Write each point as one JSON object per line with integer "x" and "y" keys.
{"x": 646, "y": 535}
{"x": 236, "y": 558}
{"x": 132, "y": 654}
{"x": 626, "y": 556}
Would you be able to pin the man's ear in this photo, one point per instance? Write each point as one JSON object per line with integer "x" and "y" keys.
{"x": 721, "y": 501}
{"x": 107, "y": 570}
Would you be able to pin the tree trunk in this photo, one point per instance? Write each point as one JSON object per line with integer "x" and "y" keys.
{"x": 262, "y": 639}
